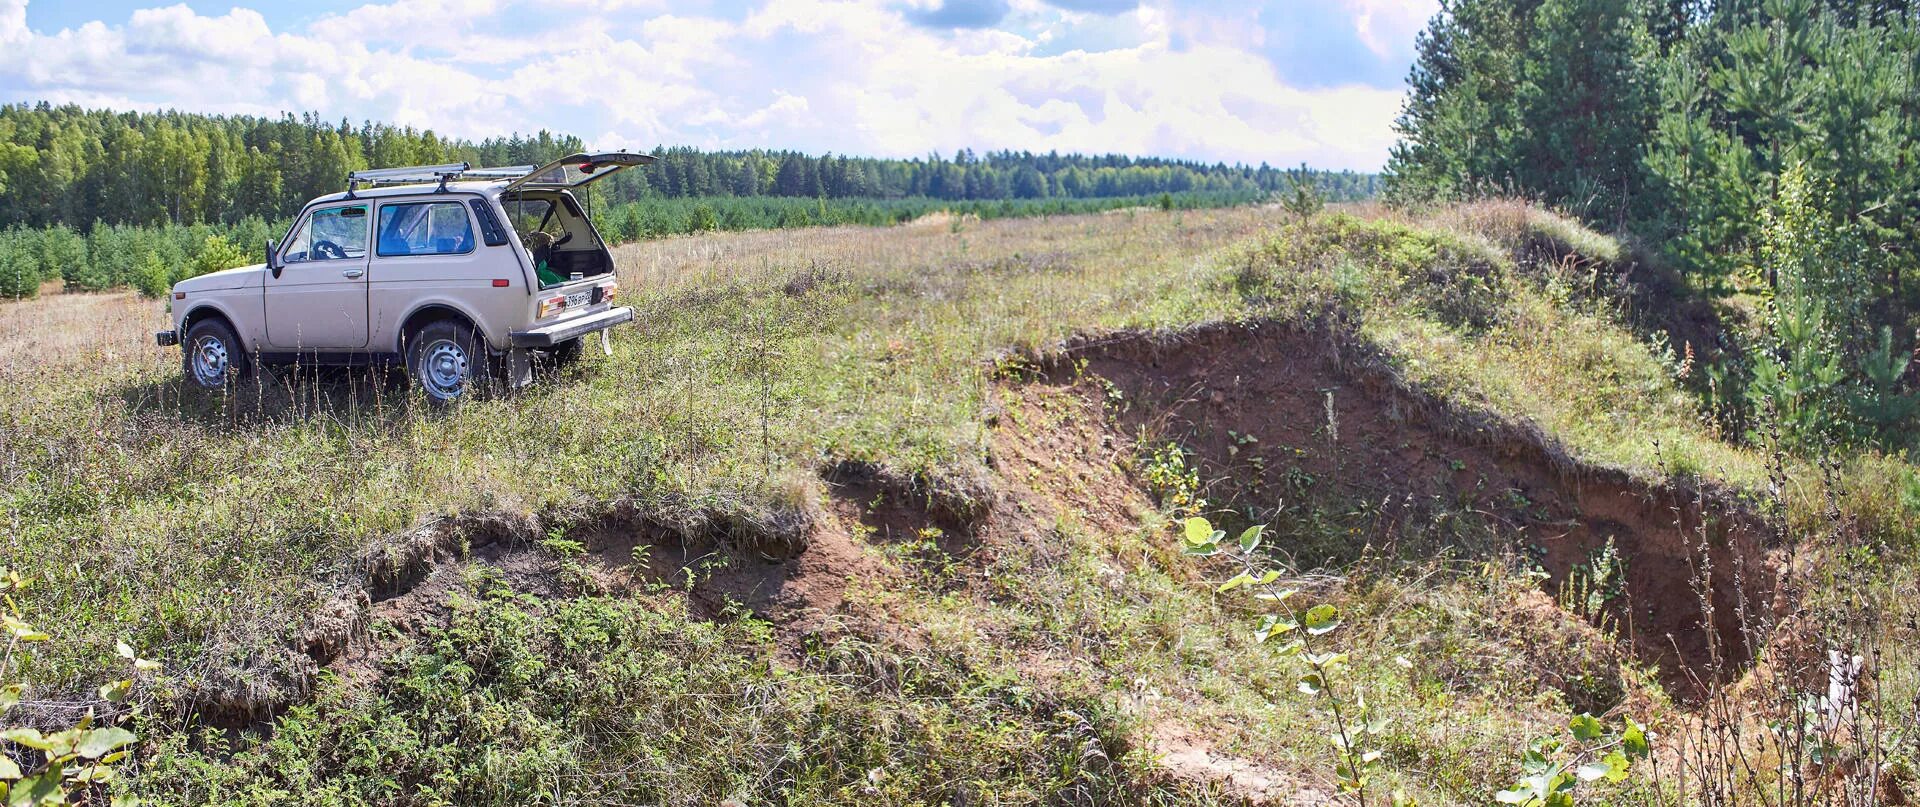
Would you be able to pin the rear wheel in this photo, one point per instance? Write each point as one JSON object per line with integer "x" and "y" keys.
{"x": 211, "y": 356}
{"x": 448, "y": 362}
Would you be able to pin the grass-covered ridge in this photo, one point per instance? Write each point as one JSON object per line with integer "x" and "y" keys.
{"x": 1063, "y": 650}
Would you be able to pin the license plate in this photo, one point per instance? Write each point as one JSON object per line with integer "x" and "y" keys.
{"x": 579, "y": 299}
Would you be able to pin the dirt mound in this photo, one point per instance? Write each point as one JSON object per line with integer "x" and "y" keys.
{"x": 1318, "y": 436}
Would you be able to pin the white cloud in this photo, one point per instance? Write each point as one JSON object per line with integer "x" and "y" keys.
{"x": 1389, "y": 26}
{"x": 849, "y": 76}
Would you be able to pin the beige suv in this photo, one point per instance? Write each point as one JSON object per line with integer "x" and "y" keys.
{"x": 464, "y": 275}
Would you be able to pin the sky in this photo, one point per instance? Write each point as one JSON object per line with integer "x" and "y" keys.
{"x": 1280, "y": 82}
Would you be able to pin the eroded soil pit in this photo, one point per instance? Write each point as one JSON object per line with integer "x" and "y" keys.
{"x": 1317, "y": 436}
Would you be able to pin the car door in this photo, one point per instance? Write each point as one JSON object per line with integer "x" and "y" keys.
{"x": 318, "y": 299}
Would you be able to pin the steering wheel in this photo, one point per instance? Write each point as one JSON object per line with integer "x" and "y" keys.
{"x": 328, "y": 251}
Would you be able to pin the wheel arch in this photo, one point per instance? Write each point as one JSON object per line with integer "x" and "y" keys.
{"x": 429, "y": 313}
{"x": 210, "y": 311}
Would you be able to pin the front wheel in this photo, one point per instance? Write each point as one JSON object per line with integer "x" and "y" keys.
{"x": 448, "y": 362}
{"x": 211, "y": 356}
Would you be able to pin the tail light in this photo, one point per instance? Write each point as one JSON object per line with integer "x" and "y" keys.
{"x": 552, "y": 305}
{"x": 609, "y": 291}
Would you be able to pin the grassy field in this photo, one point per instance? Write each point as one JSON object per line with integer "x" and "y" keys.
{"x": 888, "y": 516}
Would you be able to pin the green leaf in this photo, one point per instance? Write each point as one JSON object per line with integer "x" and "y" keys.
{"x": 1290, "y": 648}
{"x": 1199, "y": 531}
{"x": 1237, "y": 581}
{"x": 1617, "y": 765}
{"x": 1518, "y": 794}
{"x": 9, "y": 770}
{"x": 9, "y": 697}
{"x": 35, "y": 790}
{"x": 100, "y": 741}
{"x": 1563, "y": 782}
{"x": 1269, "y": 577}
{"x": 28, "y": 737}
{"x": 1277, "y": 596}
{"x": 1250, "y": 540}
{"x": 1312, "y": 684}
{"x": 1533, "y": 761}
{"x": 22, "y": 631}
{"x": 1587, "y": 728}
{"x": 1592, "y": 771}
{"x": 1326, "y": 660}
{"x": 115, "y": 691}
{"x": 1634, "y": 739}
{"x": 1321, "y": 619}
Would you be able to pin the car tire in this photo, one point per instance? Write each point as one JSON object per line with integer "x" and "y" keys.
{"x": 211, "y": 357}
{"x": 448, "y": 362}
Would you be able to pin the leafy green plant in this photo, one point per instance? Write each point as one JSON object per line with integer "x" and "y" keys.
{"x": 1303, "y": 633}
{"x": 1174, "y": 479}
{"x": 1556, "y": 770}
{"x": 67, "y": 766}
{"x": 1592, "y": 585}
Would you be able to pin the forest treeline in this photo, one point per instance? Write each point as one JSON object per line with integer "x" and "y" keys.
{"x": 70, "y": 166}
{"x": 102, "y": 199}
{"x": 1766, "y": 148}
{"x": 151, "y": 258}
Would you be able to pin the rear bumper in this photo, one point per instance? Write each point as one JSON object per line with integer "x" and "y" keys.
{"x": 559, "y": 332}
{"x": 167, "y": 338}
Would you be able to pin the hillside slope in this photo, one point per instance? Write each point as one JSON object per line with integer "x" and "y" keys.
{"x": 887, "y": 516}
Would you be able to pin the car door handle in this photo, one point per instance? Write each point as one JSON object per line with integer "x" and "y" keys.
{"x": 352, "y": 273}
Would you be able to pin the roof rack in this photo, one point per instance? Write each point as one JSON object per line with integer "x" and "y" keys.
{"x": 444, "y": 173}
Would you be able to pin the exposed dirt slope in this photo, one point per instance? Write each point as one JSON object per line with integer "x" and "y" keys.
{"x": 1299, "y": 426}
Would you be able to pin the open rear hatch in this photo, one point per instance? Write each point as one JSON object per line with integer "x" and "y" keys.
{"x": 576, "y": 170}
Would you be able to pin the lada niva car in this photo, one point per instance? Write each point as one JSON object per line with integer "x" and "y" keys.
{"x": 466, "y": 276}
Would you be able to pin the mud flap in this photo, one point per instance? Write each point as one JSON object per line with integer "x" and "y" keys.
{"x": 517, "y": 369}
{"x": 606, "y": 341}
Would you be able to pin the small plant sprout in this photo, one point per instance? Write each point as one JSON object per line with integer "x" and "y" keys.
{"x": 1305, "y": 635}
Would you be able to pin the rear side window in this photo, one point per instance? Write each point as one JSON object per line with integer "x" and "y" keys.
{"x": 424, "y": 228}
{"x": 490, "y": 227}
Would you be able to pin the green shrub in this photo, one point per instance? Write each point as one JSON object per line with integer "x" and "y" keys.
{"x": 215, "y": 254}
{"x": 152, "y": 277}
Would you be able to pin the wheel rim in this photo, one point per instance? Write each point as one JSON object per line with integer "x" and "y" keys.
{"x": 443, "y": 369}
{"x": 210, "y": 361}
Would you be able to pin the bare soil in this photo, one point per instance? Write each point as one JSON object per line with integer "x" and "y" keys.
{"x": 1282, "y": 419}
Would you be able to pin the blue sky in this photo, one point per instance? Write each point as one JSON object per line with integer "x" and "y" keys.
{"x": 1279, "y": 82}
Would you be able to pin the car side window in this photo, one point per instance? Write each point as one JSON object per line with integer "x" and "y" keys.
{"x": 329, "y": 234}
{"x": 425, "y": 228}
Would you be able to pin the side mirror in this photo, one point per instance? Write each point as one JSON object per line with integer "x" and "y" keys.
{"x": 273, "y": 264}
